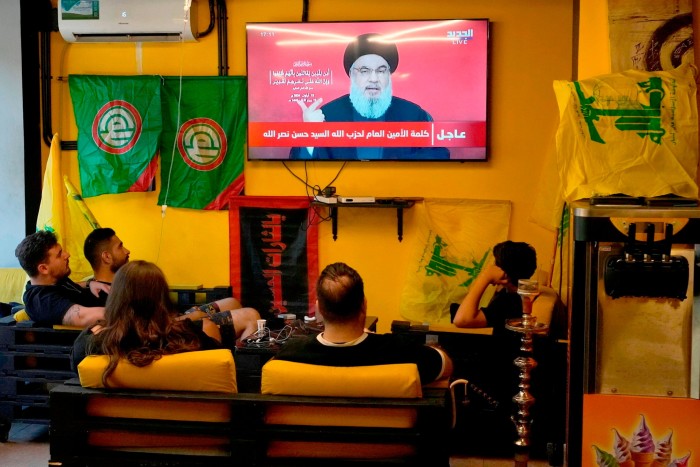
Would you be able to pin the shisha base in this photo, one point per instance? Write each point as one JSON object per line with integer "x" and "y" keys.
{"x": 523, "y": 325}
{"x": 526, "y": 326}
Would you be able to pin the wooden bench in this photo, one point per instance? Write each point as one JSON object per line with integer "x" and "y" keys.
{"x": 240, "y": 429}
{"x": 32, "y": 359}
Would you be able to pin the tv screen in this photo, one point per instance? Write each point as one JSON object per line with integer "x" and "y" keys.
{"x": 380, "y": 90}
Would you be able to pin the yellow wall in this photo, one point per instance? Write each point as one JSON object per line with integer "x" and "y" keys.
{"x": 594, "y": 43}
{"x": 531, "y": 45}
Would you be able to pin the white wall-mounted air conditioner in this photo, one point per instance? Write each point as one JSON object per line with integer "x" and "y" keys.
{"x": 127, "y": 20}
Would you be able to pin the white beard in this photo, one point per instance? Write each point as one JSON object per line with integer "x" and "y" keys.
{"x": 370, "y": 107}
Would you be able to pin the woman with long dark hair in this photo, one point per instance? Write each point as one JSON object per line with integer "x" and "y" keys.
{"x": 141, "y": 323}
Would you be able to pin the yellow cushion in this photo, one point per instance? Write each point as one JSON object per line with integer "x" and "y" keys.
{"x": 12, "y": 284}
{"x": 202, "y": 371}
{"x": 21, "y": 315}
{"x": 302, "y": 379}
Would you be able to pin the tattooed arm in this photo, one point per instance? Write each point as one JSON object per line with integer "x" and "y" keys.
{"x": 82, "y": 316}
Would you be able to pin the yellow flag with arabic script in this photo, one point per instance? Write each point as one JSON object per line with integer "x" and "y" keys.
{"x": 634, "y": 132}
{"x": 453, "y": 243}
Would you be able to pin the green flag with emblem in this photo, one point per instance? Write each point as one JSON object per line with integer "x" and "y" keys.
{"x": 119, "y": 124}
{"x": 202, "y": 151}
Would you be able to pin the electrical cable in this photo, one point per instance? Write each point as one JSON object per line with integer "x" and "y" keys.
{"x": 45, "y": 73}
{"x": 166, "y": 184}
{"x": 316, "y": 190}
{"x": 306, "y": 177}
{"x": 453, "y": 400}
{"x": 493, "y": 403}
{"x": 562, "y": 225}
{"x": 306, "y": 183}
{"x": 223, "y": 38}
{"x": 296, "y": 176}
{"x": 263, "y": 338}
{"x": 212, "y": 20}
{"x": 60, "y": 80}
{"x": 336, "y": 175}
{"x": 305, "y": 11}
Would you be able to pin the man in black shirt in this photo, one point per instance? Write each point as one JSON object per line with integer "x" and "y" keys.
{"x": 106, "y": 253}
{"x": 51, "y": 297}
{"x": 344, "y": 341}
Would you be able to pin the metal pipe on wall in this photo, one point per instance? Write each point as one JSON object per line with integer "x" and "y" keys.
{"x": 696, "y": 55}
{"x": 223, "y": 38}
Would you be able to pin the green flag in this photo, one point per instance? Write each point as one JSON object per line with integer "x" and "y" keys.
{"x": 119, "y": 124}
{"x": 202, "y": 152}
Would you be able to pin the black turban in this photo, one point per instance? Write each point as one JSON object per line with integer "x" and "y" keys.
{"x": 367, "y": 44}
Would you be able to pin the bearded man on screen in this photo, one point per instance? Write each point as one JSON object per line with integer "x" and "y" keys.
{"x": 369, "y": 62}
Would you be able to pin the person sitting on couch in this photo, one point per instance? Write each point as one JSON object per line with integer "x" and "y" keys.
{"x": 141, "y": 323}
{"x": 106, "y": 254}
{"x": 344, "y": 340}
{"x": 513, "y": 261}
{"x": 51, "y": 297}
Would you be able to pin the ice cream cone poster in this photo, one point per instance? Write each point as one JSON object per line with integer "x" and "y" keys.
{"x": 633, "y": 431}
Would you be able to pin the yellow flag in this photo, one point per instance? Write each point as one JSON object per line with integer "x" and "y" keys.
{"x": 79, "y": 223}
{"x": 51, "y": 212}
{"x": 63, "y": 212}
{"x": 453, "y": 244}
{"x": 634, "y": 132}
{"x": 549, "y": 202}
{"x": 77, "y": 207}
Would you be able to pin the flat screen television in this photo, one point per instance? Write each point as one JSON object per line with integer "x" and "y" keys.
{"x": 379, "y": 90}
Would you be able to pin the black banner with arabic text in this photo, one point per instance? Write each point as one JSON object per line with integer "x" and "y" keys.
{"x": 274, "y": 254}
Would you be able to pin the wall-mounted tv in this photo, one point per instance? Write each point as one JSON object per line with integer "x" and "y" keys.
{"x": 379, "y": 90}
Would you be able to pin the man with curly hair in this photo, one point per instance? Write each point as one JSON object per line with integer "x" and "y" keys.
{"x": 514, "y": 261}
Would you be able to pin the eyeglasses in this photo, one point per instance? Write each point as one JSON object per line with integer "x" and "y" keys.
{"x": 365, "y": 72}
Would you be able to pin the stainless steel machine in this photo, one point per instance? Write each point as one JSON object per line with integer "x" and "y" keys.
{"x": 634, "y": 322}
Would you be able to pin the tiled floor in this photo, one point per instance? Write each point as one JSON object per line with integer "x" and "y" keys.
{"x": 28, "y": 446}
